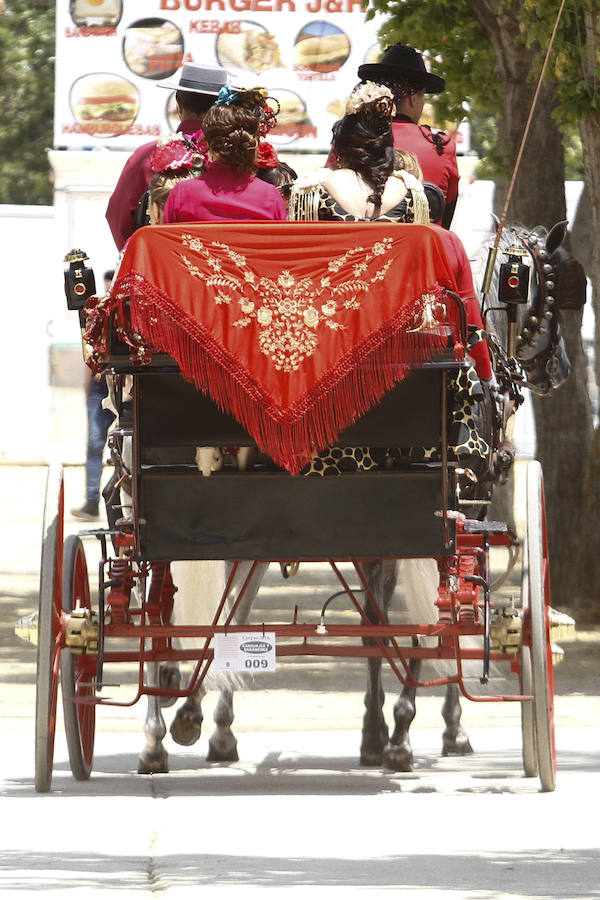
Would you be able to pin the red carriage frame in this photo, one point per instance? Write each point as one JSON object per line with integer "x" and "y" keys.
{"x": 73, "y": 638}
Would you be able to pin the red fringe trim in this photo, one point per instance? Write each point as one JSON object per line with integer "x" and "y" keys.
{"x": 290, "y": 436}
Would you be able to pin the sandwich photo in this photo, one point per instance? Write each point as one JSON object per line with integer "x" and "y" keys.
{"x": 153, "y": 48}
{"x": 321, "y": 47}
{"x": 104, "y": 105}
{"x": 250, "y": 50}
{"x": 96, "y": 13}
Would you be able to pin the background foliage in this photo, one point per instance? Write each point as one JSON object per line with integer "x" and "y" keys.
{"x": 27, "y": 100}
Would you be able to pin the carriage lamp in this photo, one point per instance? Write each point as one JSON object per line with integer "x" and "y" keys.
{"x": 513, "y": 286}
{"x": 513, "y": 290}
{"x": 80, "y": 283}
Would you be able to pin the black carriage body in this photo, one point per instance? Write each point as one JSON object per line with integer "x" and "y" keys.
{"x": 269, "y": 514}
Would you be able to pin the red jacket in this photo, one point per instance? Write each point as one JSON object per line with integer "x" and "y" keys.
{"x": 436, "y": 152}
{"x": 133, "y": 183}
{"x": 461, "y": 269}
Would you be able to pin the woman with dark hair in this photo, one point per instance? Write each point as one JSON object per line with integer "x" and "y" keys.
{"x": 228, "y": 188}
{"x": 365, "y": 185}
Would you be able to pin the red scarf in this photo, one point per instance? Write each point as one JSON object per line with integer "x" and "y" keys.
{"x": 296, "y": 329}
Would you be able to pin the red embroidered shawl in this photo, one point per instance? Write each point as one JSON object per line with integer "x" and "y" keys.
{"x": 296, "y": 329}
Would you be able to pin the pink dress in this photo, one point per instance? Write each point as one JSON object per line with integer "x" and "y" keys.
{"x": 221, "y": 193}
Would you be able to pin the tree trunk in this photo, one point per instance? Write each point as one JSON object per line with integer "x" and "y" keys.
{"x": 563, "y": 419}
{"x": 587, "y": 590}
{"x": 564, "y": 432}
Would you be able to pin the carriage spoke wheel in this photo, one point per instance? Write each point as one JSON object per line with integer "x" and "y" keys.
{"x": 49, "y": 628}
{"x": 530, "y": 763}
{"x": 77, "y": 672}
{"x": 539, "y": 627}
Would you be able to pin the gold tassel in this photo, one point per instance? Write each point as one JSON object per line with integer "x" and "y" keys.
{"x": 304, "y": 203}
{"x": 420, "y": 208}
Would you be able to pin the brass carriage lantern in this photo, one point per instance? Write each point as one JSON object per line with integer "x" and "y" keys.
{"x": 513, "y": 289}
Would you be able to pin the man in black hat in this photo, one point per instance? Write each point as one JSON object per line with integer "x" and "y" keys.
{"x": 196, "y": 88}
{"x": 403, "y": 71}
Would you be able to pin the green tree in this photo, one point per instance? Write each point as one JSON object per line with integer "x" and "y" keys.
{"x": 490, "y": 52}
{"x": 27, "y": 108}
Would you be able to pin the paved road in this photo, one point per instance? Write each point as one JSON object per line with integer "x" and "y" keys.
{"x": 296, "y": 812}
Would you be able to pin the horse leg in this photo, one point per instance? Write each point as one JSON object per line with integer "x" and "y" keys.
{"x": 169, "y": 678}
{"x": 200, "y": 586}
{"x": 222, "y": 744}
{"x": 153, "y": 758}
{"x": 380, "y": 576}
{"x": 169, "y": 674}
{"x": 186, "y": 727}
{"x": 398, "y": 755}
{"x": 374, "y": 729}
{"x": 455, "y": 740}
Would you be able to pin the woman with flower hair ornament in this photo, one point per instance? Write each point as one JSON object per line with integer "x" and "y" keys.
{"x": 402, "y": 69}
{"x": 366, "y": 186}
{"x": 228, "y": 189}
{"x": 175, "y": 158}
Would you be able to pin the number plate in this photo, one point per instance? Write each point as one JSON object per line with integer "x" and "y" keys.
{"x": 245, "y": 651}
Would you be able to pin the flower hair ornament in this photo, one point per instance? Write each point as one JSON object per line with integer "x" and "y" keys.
{"x": 176, "y": 151}
{"x": 254, "y": 100}
{"x": 374, "y": 97}
{"x": 267, "y": 157}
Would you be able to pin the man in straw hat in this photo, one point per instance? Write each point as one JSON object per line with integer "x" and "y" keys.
{"x": 403, "y": 71}
{"x": 196, "y": 90}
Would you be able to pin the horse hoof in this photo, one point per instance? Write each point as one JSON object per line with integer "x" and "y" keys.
{"x": 370, "y": 757}
{"x": 222, "y": 751}
{"x": 398, "y": 758}
{"x": 169, "y": 678}
{"x": 155, "y": 763}
{"x": 186, "y": 727}
{"x": 456, "y": 745}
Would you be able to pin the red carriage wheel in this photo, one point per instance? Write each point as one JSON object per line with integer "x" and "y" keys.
{"x": 539, "y": 626}
{"x": 530, "y": 763}
{"x": 49, "y": 628}
{"x": 77, "y": 672}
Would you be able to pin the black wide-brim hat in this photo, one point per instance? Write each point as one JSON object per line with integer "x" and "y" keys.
{"x": 402, "y": 62}
{"x": 196, "y": 79}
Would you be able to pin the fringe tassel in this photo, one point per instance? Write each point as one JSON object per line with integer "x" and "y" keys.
{"x": 290, "y": 436}
{"x": 304, "y": 203}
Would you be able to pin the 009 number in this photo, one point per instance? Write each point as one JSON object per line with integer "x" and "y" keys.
{"x": 256, "y": 663}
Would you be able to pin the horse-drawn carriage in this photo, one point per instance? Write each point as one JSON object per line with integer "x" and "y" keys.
{"x": 338, "y": 351}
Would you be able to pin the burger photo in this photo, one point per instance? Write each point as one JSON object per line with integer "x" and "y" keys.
{"x": 104, "y": 105}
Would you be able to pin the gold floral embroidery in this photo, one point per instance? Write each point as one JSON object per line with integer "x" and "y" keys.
{"x": 289, "y": 310}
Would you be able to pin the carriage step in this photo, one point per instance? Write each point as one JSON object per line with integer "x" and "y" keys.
{"x": 474, "y": 526}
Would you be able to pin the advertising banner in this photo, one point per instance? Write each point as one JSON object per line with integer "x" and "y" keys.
{"x": 111, "y": 55}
